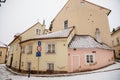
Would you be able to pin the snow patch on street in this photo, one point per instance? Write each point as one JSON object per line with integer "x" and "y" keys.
{"x": 109, "y": 73}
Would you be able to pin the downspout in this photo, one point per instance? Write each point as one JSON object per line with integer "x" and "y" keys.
{"x": 20, "y": 54}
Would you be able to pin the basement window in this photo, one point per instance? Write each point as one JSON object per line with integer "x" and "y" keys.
{"x": 50, "y": 66}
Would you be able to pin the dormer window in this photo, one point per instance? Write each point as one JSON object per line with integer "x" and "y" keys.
{"x": 65, "y": 24}
{"x": 38, "y": 31}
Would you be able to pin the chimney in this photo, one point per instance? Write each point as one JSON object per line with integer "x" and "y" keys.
{"x": 98, "y": 35}
{"x": 43, "y": 23}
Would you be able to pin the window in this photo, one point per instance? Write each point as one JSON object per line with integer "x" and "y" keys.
{"x": 113, "y": 42}
{"x": 117, "y": 39}
{"x": 65, "y": 24}
{"x": 51, "y": 48}
{"x": 0, "y": 53}
{"x": 22, "y": 64}
{"x": 50, "y": 66}
{"x": 28, "y": 65}
{"x": 17, "y": 45}
{"x": 38, "y": 31}
{"x": 89, "y": 58}
{"x": 30, "y": 47}
{"x": 23, "y": 49}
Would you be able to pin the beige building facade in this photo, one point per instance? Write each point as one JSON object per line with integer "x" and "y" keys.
{"x": 116, "y": 41}
{"x": 86, "y": 17}
{"x": 3, "y": 53}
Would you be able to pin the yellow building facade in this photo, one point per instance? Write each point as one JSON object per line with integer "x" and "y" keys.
{"x": 14, "y": 56}
{"x": 3, "y": 53}
{"x": 86, "y": 17}
{"x": 116, "y": 41}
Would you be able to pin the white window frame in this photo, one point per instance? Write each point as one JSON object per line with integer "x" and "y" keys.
{"x": 29, "y": 65}
{"x": 23, "y": 49}
{"x": 90, "y": 54}
{"x": 50, "y": 66}
{"x": 30, "y": 50}
{"x": 38, "y": 31}
{"x": 52, "y": 49}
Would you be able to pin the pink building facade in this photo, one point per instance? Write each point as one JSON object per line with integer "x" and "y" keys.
{"x": 90, "y": 56}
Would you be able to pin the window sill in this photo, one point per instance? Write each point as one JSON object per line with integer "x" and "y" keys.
{"x": 91, "y": 64}
{"x": 50, "y": 53}
{"x": 29, "y": 53}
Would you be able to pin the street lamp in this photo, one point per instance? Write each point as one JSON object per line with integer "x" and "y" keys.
{"x": 2, "y": 1}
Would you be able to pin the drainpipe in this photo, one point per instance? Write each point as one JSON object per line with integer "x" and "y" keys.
{"x": 20, "y": 54}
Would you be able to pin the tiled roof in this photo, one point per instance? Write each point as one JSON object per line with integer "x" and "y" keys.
{"x": 2, "y": 44}
{"x": 58, "y": 34}
{"x": 86, "y": 42}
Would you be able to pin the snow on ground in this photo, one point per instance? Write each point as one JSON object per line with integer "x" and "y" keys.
{"x": 109, "y": 73}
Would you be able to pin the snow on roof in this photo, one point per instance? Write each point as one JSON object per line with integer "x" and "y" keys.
{"x": 2, "y": 44}
{"x": 86, "y": 42}
{"x": 58, "y": 34}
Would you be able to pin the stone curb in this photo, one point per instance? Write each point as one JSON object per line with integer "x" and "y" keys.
{"x": 59, "y": 75}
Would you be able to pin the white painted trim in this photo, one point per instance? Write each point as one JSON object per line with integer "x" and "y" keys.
{"x": 90, "y": 54}
{"x": 48, "y": 63}
{"x": 46, "y": 46}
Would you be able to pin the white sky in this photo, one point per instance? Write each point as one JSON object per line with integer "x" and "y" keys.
{"x": 18, "y": 15}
